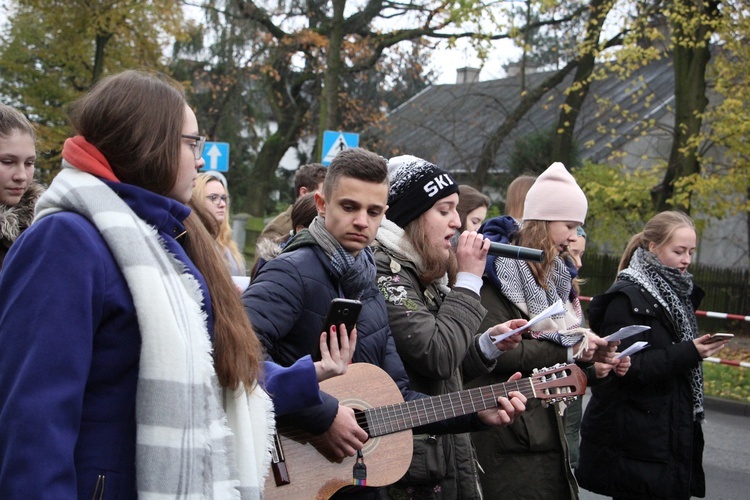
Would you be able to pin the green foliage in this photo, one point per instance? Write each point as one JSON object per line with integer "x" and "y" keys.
{"x": 53, "y": 51}
{"x": 619, "y": 203}
{"x": 727, "y": 382}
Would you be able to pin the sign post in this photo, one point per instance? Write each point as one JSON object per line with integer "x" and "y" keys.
{"x": 216, "y": 156}
{"x": 334, "y": 142}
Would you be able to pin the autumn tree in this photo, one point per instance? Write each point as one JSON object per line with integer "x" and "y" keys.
{"x": 54, "y": 50}
{"x": 314, "y": 48}
{"x": 693, "y": 22}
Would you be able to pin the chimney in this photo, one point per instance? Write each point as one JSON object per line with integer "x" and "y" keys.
{"x": 467, "y": 75}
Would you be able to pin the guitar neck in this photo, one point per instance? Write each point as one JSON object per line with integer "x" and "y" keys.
{"x": 410, "y": 414}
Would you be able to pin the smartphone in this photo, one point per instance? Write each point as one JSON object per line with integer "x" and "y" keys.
{"x": 718, "y": 337}
{"x": 340, "y": 311}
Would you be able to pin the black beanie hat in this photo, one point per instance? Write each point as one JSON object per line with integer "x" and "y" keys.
{"x": 415, "y": 186}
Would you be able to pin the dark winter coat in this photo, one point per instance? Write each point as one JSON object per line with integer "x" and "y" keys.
{"x": 529, "y": 458}
{"x": 14, "y": 220}
{"x": 70, "y": 356}
{"x": 287, "y": 303}
{"x": 638, "y": 436}
{"x": 435, "y": 335}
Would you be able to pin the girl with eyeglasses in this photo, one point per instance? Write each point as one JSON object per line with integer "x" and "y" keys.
{"x": 128, "y": 367}
{"x": 212, "y": 192}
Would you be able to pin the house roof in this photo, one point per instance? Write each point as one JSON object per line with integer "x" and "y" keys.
{"x": 449, "y": 124}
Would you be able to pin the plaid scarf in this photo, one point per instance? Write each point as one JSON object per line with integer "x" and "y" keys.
{"x": 672, "y": 289}
{"x": 193, "y": 439}
{"x": 355, "y": 274}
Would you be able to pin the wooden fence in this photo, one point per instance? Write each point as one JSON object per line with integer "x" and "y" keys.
{"x": 727, "y": 290}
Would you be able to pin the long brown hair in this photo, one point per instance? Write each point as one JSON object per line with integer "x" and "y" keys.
{"x": 237, "y": 352}
{"x": 135, "y": 120}
{"x": 535, "y": 234}
{"x": 658, "y": 230}
{"x": 470, "y": 199}
{"x": 434, "y": 263}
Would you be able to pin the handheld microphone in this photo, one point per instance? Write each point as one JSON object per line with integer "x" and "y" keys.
{"x": 516, "y": 252}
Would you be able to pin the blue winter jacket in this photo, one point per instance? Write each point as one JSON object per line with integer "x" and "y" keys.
{"x": 69, "y": 362}
{"x": 287, "y": 303}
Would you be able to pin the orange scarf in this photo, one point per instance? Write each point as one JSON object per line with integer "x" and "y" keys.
{"x": 85, "y": 157}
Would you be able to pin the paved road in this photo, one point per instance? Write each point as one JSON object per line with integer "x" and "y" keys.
{"x": 726, "y": 459}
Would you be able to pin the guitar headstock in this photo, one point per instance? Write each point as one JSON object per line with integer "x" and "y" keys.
{"x": 559, "y": 383}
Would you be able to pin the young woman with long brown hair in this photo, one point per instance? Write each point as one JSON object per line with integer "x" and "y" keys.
{"x": 128, "y": 366}
{"x": 554, "y": 207}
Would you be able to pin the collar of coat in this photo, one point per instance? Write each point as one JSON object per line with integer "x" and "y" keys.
{"x": 14, "y": 220}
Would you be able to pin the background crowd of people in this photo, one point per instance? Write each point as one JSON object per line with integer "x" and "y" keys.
{"x": 132, "y": 365}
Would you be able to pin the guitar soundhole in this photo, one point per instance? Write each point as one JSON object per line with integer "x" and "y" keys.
{"x": 362, "y": 420}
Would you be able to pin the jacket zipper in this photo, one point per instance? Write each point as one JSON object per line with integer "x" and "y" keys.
{"x": 99, "y": 483}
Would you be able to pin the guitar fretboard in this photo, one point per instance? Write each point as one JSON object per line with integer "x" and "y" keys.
{"x": 410, "y": 414}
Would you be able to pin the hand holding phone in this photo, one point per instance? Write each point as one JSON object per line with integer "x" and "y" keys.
{"x": 333, "y": 361}
{"x": 718, "y": 337}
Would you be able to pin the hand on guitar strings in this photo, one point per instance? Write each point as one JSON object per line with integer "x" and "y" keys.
{"x": 345, "y": 436}
{"x": 336, "y": 358}
{"x": 507, "y": 410}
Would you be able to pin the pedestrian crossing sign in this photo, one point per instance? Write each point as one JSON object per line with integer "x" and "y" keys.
{"x": 334, "y": 142}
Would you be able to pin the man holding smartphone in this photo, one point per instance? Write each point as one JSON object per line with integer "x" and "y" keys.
{"x": 291, "y": 294}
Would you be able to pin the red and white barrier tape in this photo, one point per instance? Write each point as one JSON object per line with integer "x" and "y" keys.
{"x": 732, "y": 362}
{"x": 710, "y": 314}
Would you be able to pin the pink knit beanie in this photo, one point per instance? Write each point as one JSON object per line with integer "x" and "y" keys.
{"x": 555, "y": 196}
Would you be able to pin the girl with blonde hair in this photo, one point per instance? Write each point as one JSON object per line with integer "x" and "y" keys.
{"x": 641, "y": 435}
{"x": 212, "y": 192}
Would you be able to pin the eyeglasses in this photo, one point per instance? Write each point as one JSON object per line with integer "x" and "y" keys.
{"x": 216, "y": 199}
{"x": 198, "y": 145}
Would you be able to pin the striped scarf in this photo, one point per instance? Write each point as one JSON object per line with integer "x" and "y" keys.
{"x": 194, "y": 440}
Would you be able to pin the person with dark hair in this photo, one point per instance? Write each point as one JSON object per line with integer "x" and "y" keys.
{"x": 128, "y": 367}
{"x": 332, "y": 258}
{"x": 18, "y": 191}
{"x": 308, "y": 179}
{"x": 472, "y": 208}
{"x": 641, "y": 435}
{"x": 432, "y": 295}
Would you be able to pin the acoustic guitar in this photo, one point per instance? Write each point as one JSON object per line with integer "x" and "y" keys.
{"x": 302, "y": 467}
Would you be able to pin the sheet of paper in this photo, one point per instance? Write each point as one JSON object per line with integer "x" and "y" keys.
{"x": 637, "y": 346}
{"x": 625, "y": 332}
{"x": 241, "y": 281}
{"x": 556, "y": 308}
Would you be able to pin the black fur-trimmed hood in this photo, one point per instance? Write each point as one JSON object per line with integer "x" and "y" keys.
{"x": 14, "y": 220}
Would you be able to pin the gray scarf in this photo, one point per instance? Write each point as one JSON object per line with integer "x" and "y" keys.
{"x": 672, "y": 289}
{"x": 355, "y": 274}
{"x": 193, "y": 439}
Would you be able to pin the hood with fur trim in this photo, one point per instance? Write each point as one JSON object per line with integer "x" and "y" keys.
{"x": 14, "y": 220}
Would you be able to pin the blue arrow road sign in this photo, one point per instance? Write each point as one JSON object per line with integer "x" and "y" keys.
{"x": 216, "y": 155}
{"x": 335, "y": 142}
